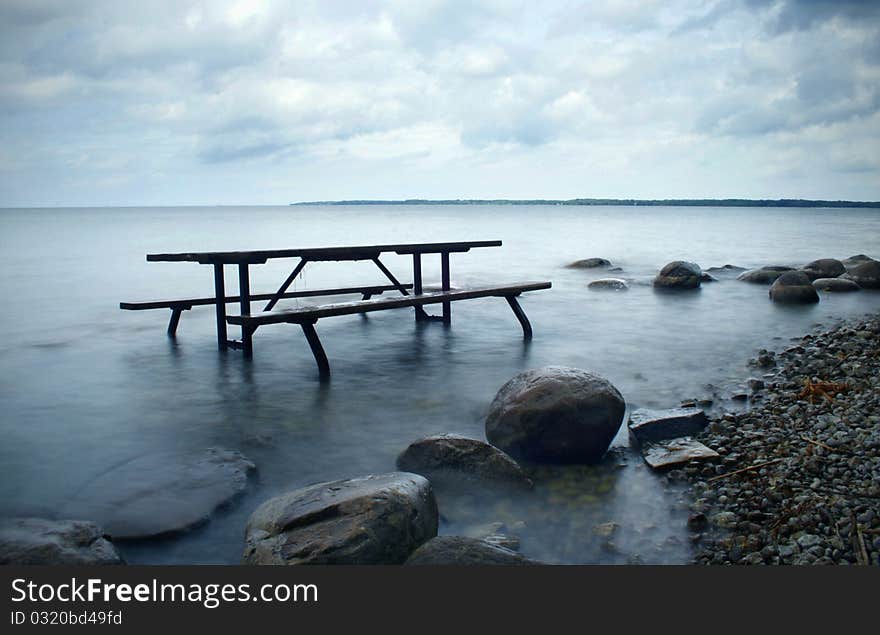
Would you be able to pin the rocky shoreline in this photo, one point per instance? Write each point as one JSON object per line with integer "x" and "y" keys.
{"x": 798, "y": 479}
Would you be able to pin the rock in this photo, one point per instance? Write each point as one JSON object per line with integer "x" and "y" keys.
{"x": 590, "y": 263}
{"x": 615, "y": 269}
{"x": 725, "y": 520}
{"x": 605, "y": 530}
{"x": 823, "y": 268}
{"x": 866, "y": 275}
{"x": 450, "y": 457}
{"x": 663, "y": 455}
{"x": 764, "y": 275}
{"x": 726, "y": 269}
{"x": 705, "y": 277}
{"x": 793, "y": 287}
{"x": 836, "y": 285}
{"x": 459, "y": 550}
{"x": 161, "y": 494}
{"x": 38, "y": 541}
{"x": 679, "y": 275}
{"x": 756, "y": 384}
{"x": 377, "y": 519}
{"x": 697, "y": 521}
{"x": 555, "y": 414}
{"x": 646, "y": 425}
{"x": 612, "y": 284}
{"x": 855, "y": 261}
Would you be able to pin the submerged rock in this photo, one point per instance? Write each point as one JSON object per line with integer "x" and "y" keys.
{"x": 377, "y": 519}
{"x": 555, "y": 414}
{"x": 460, "y": 550}
{"x": 793, "y": 287}
{"x": 866, "y": 274}
{"x": 648, "y": 425}
{"x": 679, "y": 275}
{"x": 836, "y": 285}
{"x": 730, "y": 269}
{"x": 764, "y": 275}
{"x": 705, "y": 277}
{"x": 38, "y": 541}
{"x": 590, "y": 263}
{"x": 823, "y": 268}
{"x": 161, "y": 494}
{"x": 447, "y": 457}
{"x": 663, "y": 455}
{"x": 855, "y": 261}
{"x": 609, "y": 284}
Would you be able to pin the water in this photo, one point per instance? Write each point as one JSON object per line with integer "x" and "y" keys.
{"x": 84, "y": 385}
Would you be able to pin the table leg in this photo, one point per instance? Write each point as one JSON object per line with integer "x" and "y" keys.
{"x": 244, "y": 292}
{"x": 220, "y": 299}
{"x": 421, "y": 314}
{"x": 444, "y": 274}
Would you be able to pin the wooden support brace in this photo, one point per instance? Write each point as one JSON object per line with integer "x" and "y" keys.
{"x": 317, "y": 350}
{"x": 420, "y": 312}
{"x": 286, "y": 284}
{"x": 175, "y": 319}
{"x": 521, "y": 316}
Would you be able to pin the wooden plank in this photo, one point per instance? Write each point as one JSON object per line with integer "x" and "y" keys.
{"x": 365, "y": 306}
{"x": 187, "y": 304}
{"x": 360, "y": 252}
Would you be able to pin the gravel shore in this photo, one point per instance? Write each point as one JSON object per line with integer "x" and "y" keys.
{"x": 799, "y": 477}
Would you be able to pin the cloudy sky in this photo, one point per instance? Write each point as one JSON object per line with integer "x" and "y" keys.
{"x": 174, "y": 102}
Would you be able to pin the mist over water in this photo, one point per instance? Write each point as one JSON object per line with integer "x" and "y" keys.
{"x": 85, "y": 386}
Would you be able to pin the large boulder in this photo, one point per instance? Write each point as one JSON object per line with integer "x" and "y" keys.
{"x": 450, "y": 457}
{"x": 459, "y": 550}
{"x": 590, "y": 263}
{"x": 377, "y": 519}
{"x": 823, "y": 268}
{"x": 764, "y": 275}
{"x": 866, "y": 275}
{"x": 556, "y": 415}
{"x": 679, "y": 275}
{"x": 40, "y": 541}
{"x": 161, "y": 494}
{"x": 793, "y": 287}
{"x": 608, "y": 284}
{"x": 836, "y": 285}
{"x": 649, "y": 425}
{"x": 855, "y": 261}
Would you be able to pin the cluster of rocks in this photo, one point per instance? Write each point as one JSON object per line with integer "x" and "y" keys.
{"x": 601, "y": 284}
{"x": 798, "y": 480}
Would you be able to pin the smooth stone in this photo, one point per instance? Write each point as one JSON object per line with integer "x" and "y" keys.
{"x": 726, "y": 269}
{"x": 647, "y": 425}
{"x": 161, "y": 494}
{"x": 453, "y": 457}
{"x": 679, "y": 274}
{"x": 836, "y": 285}
{"x": 606, "y": 530}
{"x": 705, "y": 277}
{"x": 764, "y": 275}
{"x": 663, "y": 455}
{"x": 855, "y": 261}
{"x": 460, "y": 550}
{"x": 377, "y": 519}
{"x": 610, "y": 284}
{"x": 823, "y": 268}
{"x": 793, "y": 287}
{"x": 866, "y": 275}
{"x": 555, "y": 414}
{"x": 38, "y": 541}
{"x": 590, "y": 263}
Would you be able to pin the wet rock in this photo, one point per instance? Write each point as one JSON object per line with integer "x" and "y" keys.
{"x": 38, "y": 541}
{"x": 555, "y": 414}
{"x": 606, "y": 530}
{"x": 161, "y": 494}
{"x": 664, "y": 455}
{"x": 646, "y": 425}
{"x": 697, "y": 521}
{"x": 610, "y": 284}
{"x": 836, "y": 285}
{"x": 450, "y": 457}
{"x": 679, "y": 275}
{"x": 866, "y": 275}
{"x": 793, "y": 287}
{"x": 730, "y": 269}
{"x": 855, "y": 261}
{"x": 459, "y": 550}
{"x": 377, "y": 519}
{"x": 590, "y": 263}
{"x": 764, "y": 275}
{"x": 823, "y": 268}
{"x": 706, "y": 277}
{"x": 756, "y": 384}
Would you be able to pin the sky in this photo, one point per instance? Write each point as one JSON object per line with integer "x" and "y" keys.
{"x": 171, "y": 102}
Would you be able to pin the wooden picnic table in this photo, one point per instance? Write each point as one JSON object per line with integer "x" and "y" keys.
{"x": 306, "y": 317}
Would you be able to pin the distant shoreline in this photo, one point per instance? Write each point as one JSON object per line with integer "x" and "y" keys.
{"x": 703, "y": 202}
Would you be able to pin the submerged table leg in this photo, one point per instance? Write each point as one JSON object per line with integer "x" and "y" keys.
{"x": 521, "y": 316}
{"x": 244, "y": 292}
{"x": 444, "y": 273}
{"x": 220, "y": 298}
{"x": 421, "y": 314}
{"x": 317, "y": 350}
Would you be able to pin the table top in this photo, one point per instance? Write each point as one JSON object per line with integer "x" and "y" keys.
{"x": 358, "y": 252}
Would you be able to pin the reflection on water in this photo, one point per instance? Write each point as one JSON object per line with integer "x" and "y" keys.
{"x": 85, "y": 386}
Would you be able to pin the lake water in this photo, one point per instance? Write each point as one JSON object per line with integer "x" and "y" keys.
{"x": 85, "y": 386}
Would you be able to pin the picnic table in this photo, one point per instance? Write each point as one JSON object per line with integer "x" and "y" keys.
{"x": 306, "y": 317}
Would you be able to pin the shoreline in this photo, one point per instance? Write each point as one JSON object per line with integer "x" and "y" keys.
{"x": 797, "y": 482}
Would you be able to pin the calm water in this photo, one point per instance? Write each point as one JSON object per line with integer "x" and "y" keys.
{"x": 85, "y": 386}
